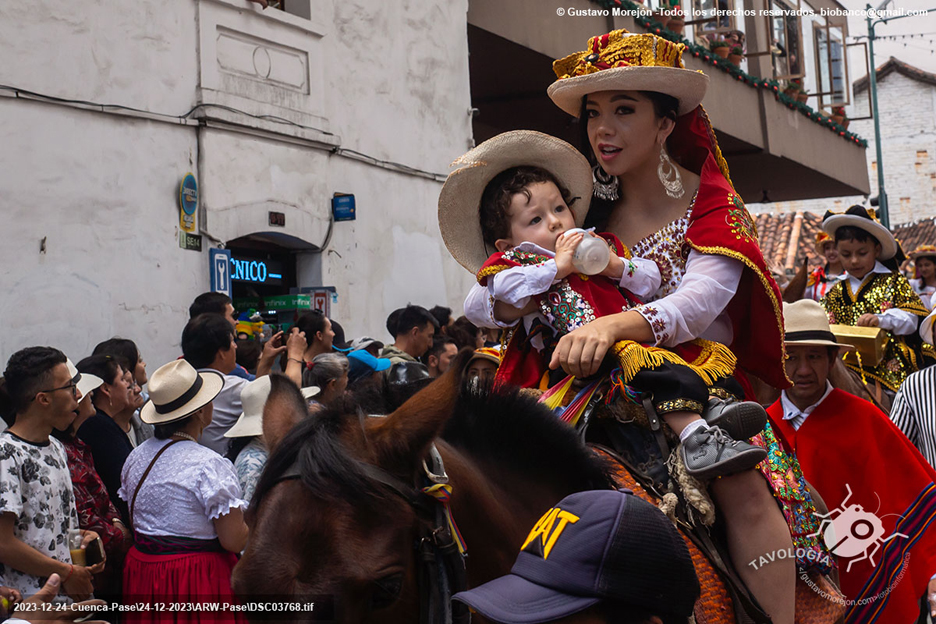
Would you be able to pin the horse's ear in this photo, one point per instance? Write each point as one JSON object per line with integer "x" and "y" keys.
{"x": 284, "y": 408}
{"x": 401, "y": 439}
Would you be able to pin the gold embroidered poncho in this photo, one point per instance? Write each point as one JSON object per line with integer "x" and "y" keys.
{"x": 878, "y": 293}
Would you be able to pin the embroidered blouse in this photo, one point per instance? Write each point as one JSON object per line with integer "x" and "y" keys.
{"x": 189, "y": 486}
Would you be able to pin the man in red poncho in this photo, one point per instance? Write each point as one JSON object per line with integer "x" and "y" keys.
{"x": 879, "y": 489}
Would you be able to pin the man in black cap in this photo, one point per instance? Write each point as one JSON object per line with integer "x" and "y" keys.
{"x": 596, "y": 557}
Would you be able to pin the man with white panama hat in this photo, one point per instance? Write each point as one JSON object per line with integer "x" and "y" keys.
{"x": 874, "y": 295}
{"x": 34, "y": 476}
{"x": 853, "y": 454}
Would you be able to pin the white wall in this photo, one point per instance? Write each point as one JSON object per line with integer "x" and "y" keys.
{"x": 391, "y": 83}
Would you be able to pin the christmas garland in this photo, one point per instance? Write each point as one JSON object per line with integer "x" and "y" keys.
{"x": 705, "y": 55}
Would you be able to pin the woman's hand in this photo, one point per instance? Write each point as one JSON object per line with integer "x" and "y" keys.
{"x": 868, "y": 320}
{"x": 296, "y": 344}
{"x": 9, "y": 598}
{"x": 63, "y": 614}
{"x": 931, "y": 597}
{"x": 581, "y": 351}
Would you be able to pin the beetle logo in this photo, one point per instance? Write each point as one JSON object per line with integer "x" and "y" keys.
{"x": 862, "y": 532}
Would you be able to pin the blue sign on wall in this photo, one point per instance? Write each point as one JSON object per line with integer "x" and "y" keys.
{"x": 343, "y": 207}
{"x": 221, "y": 271}
{"x": 256, "y": 271}
{"x": 188, "y": 203}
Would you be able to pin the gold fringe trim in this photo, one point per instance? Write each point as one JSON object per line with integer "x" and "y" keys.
{"x": 778, "y": 311}
{"x": 491, "y": 270}
{"x": 722, "y": 163}
{"x": 715, "y": 361}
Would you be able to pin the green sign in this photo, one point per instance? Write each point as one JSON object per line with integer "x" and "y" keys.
{"x": 189, "y": 241}
{"x": 281, "y": 302}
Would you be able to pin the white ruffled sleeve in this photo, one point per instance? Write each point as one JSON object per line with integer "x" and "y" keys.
{"x": 218, "y": 488}
{"x": 696, "y": 308}
{"x": 641, "y": 277}
{"x": 898, "y": 322}
{"x": 479, "y": 309}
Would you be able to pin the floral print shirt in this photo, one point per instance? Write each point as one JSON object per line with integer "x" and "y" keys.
{"x": 36, "y": 487}
{"x": 96, "y": 512}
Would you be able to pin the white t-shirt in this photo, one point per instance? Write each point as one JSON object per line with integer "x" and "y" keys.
{"x": 189, "y": 487}
{"x": 36, "y": 486}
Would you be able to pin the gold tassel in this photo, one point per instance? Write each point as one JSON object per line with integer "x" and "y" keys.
{"x": 715, "y": 361}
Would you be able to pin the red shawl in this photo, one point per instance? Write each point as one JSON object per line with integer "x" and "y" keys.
{"x": 720, "y": 224}
{"x": 846, "y": 441}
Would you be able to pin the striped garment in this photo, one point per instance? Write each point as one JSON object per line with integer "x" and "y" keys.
{"x": 914, "y": 411}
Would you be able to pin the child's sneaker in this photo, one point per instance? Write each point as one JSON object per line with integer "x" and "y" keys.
{"x": 709, "y": 453}
{"x": 742, "y": 420}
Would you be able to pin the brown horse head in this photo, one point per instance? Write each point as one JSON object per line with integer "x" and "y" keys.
{"x": 335, "y": 531}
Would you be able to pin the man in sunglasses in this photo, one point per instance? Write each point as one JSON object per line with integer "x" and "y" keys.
{"x": 37, "y": 505}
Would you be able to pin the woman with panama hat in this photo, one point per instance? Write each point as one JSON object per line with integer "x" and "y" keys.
{"x": 662, "y": 187}
{"x": 185, "y": 501}
{"x": 924, "y": 273}
{"x": 875, "y": 295}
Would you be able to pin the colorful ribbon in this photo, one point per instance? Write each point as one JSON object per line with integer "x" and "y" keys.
{"x": 442, "y": 492}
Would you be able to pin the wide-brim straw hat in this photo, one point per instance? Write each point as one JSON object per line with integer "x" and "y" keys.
{"x": 823, "y": 239}
{"x": 923, "y": 251}
{"x": 806, "y": 324}
{"x": 624, "y": 61}
{"x": 864, "y": 219}
{"x": 253, "y": 397}
{"x": 176, "y": 390}
{"x": 460, "y": 199}
{"x": 86, "y": 382}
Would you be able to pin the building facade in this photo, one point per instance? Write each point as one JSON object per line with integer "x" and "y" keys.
{"x": 907, "y": 101}
{"x": 108, "y": 106}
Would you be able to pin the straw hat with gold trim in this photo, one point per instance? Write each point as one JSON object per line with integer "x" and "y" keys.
{"x": 624, "y": 61}
{"x": 806, "y": 324}
{"x": 823, "y": 239}
{"x": 460, "y": 199}
{"x": 177, "y": 390}
{"x": 923, "y": 251}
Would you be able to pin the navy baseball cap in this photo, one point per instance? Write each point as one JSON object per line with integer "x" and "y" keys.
{"x": 591, "y": 547}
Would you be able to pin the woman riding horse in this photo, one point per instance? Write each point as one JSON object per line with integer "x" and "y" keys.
{"x": 662, "y": 187}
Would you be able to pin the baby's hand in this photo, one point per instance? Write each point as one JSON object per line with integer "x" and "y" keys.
{"x": 565, "y": 248}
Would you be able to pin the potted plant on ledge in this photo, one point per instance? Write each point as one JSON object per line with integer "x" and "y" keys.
{"x": 736, "y": 55}
{"x": 720, "y": 47}
{"x": 677, "y": 22}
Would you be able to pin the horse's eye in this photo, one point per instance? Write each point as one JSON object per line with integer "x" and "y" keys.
{"x": 386, "y": 591}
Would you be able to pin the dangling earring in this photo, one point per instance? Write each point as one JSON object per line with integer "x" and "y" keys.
{"x": 606, "y": 185}
{"x": 671, "y": 180}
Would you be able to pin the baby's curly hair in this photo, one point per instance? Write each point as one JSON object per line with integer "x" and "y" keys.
{"x": 495, "y": 201}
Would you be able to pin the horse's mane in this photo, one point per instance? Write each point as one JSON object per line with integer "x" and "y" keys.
{"x": 511, "y": 430}
{"x": 501, "y": 427}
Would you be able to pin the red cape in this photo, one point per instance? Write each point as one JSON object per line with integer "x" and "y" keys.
{"x": 846, "y": 441}
{"x": 721, "y": 225}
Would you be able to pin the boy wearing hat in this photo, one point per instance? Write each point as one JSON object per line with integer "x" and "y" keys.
{"x": 873, "y": 295}
{"x": 854, "y": 455}
{"x": 601, "y": 556}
